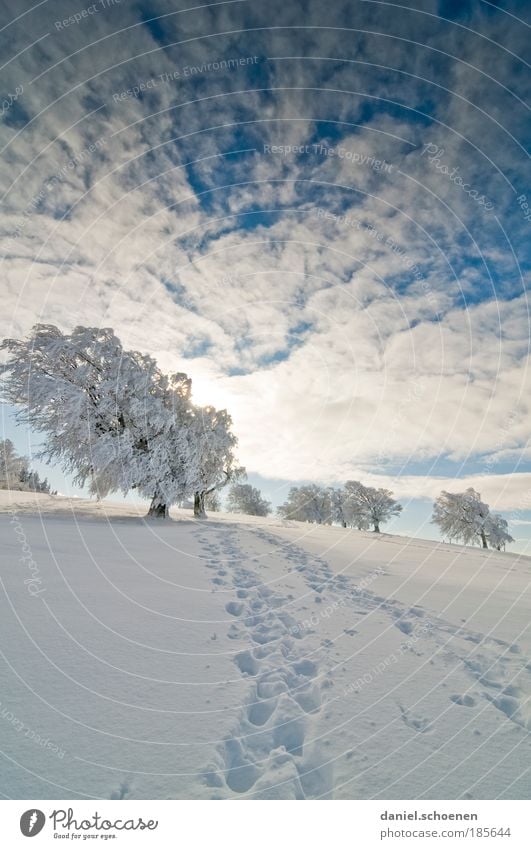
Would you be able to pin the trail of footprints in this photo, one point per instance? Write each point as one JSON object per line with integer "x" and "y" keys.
{"x": 268, "y": 756}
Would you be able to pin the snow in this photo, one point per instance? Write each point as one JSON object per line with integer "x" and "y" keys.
{"x": 246, "y": 657}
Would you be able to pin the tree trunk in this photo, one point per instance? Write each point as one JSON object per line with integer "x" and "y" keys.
{"x": 376, "y": 526}
{"x": 199, "y": 505}
{"x": 157, "y": 510}
{"x": 483, "y": 538}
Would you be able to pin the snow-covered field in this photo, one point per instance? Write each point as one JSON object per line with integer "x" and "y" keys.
{"x": 255, "y": 658}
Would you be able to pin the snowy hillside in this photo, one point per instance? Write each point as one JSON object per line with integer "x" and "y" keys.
{"x": 255, "y": 658}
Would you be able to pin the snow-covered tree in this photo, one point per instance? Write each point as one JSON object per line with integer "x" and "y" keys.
{"x": 308, "y": 503}
{"x": 12, "y": 467}
{"x": 113, "y": 419}
{"x": 165, "y": 455}
{"x": 465, "y": 517}
{"x": 213, "y": 502}
{"x": 365, "y": 505}
{"x": 15, "y": 472}
{"x": 79, "y": 390}
{"x": 212, "y": 450}
{"x": 497, "y": 532}
{"x": 346, "y": 509}
{"x": 461, "y": 516}
{"x": 338, "y": 510}
{"x": 244, "y": 498}
{"x": 293, "y": 507}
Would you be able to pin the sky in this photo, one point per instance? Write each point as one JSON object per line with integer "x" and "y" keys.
{"x": 317, "y": 210}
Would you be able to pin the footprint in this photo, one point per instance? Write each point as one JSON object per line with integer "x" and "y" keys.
{"x": 310, "y": 700}
{"x": 241, "y": 772}
{"x": 272, "y": 685}
{"x": 246, "y": 663}
{"x": 404, "y": 625}
{"x": 259, "y": 712}
{"x": 234, "y": 633}
{"x": 471, "y": 638}
{"x": 234, "y": 608}
{"x": 264, "y": 634}
{"x": 290, "y": 734}
{"x": 305, "y": 667}
{"x": 212, "y": 777}
{"x": 416, "y": 723}
{"x": 508, "y": 705}
{"x": 466, "y": 701}
{"x": 316, "y": 775}
{"x": 289, "y": 622}
{"x": 280, "y": 779}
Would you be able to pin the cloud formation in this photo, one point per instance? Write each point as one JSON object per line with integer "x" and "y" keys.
{"x": 285, "y": 201}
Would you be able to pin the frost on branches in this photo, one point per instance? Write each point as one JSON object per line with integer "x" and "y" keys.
{"x": 112, "y": 419}
{"x": 463, "y": 516}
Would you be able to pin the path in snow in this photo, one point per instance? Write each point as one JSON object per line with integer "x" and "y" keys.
{"x": 278, "y": 747}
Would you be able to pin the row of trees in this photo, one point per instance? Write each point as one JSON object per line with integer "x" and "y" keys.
{"x": 114, "y": 421}
{"x": 355, "y": 505}
{"x": 15, "y": 472}
{"x": 460, "y": 516}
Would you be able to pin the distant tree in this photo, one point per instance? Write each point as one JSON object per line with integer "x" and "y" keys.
{"x": 347, "y": 509}
{"x": 338, "y": 507}
{"x": 244, "y": 498}
{"x": 44, "y": 486}
{"x": 293, "y": 507}
{"x": 365, "y": 506}
{"x": 308, "y": 503}
{"x": 12, "y": 467}
{"x": 497, "y": 532}
{"x": 15, "y": 473}
{"x": 463, "y": 516}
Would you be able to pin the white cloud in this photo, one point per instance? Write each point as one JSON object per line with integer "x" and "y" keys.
{"x": 358, "y": 352}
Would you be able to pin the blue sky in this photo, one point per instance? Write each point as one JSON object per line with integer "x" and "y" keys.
{"x": 316, "y": 210}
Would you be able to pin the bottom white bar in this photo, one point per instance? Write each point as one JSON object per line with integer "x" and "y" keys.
{"x": 266, "y": 825}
